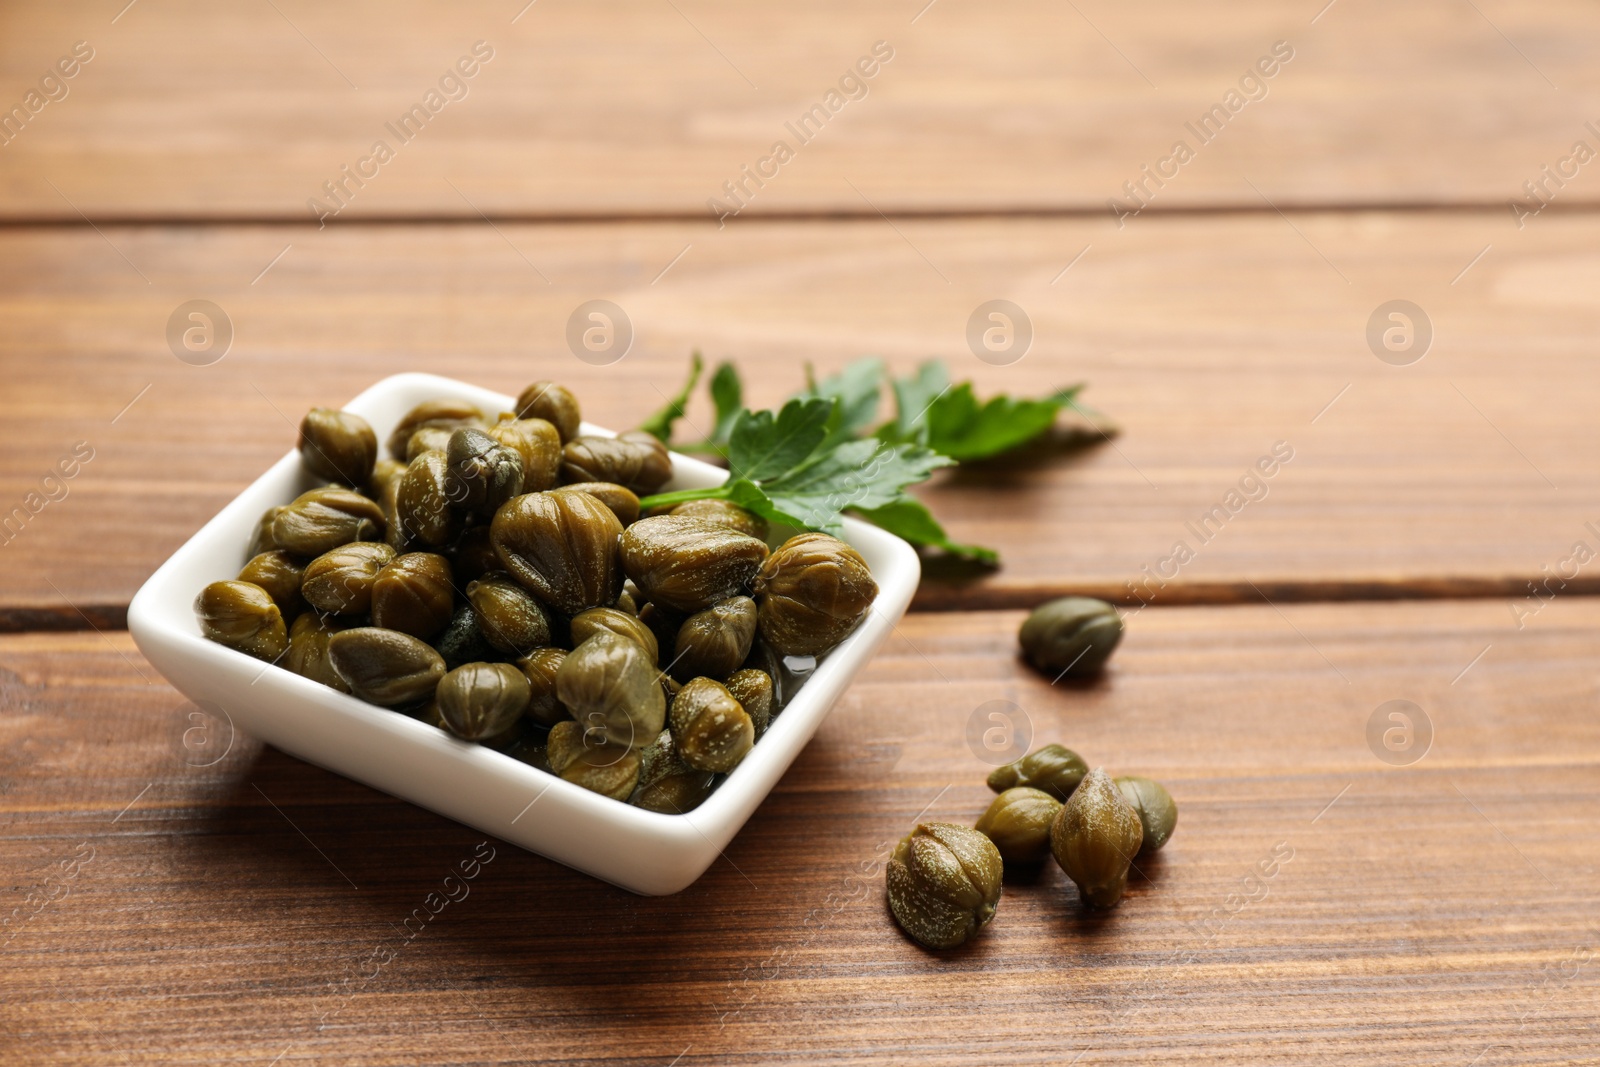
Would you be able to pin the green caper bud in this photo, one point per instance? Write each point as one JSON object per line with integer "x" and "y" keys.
{"x": 308, "y": 650}
{"x": 724, "y": 513}
{"x": 385, "y": 479}
{"x": 1094, "y": 837}
{"x": 666, "y": 783}
{"x": 462, "y": 640}
{"x": 623, "y": 502}
{"x": 324, "y": 519}
{"x": 481, "y": 700}
{"x": 510, "y": 618}
{"x": 561, "y": 547}
{"x": 1018, "y": 822}
{"x": 608, "y": 683}
{"x": 448, "y": 415}
{"x": 385, "y": 667}
{"x": 688, "y": 564}
{"x": 338, "y": 446}
{"x": 262, "y": 540}
{"x": 483, "y": 473}
{"x": 712, "y": 731}
{"x": 944, "y": 883}
{"x": 423, "y": 505}
{"x": 539, "y": 446}
{"x": 473, "y": 555}
{"x": 1054, "y": 769}
{"x": 243, "y": 617}
{"x": 639, "y": 462}
{"x": 1072, "y": 636}
{"x": 541, "y": 667}
{"x": 1157, "y": 811}
{"x": 811, "y": 592}
{"x": 753, "y": 690}
{"x": 339, "y": 582}
{"x": 280, "y": 575}
{"x": 415, "y": 594}
{"x": 583, "y": 758}
{"x": 554, "y": 404}
{"x": 713, "y": 642}
{"x": 428, "y": 439}
{"x": 586, "y": 624}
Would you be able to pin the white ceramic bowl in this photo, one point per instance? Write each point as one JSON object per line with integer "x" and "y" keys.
{"x": 636, "y": 849}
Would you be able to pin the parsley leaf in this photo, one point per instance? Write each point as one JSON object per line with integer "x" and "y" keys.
{"x": 856, "y": 388}
{"x": 727, "y": 399}
{"x": 910, "y": 518}
{"x": 660, "y": 424}
{"x": 784, "y": 469}
{"x": 762, "y": 445}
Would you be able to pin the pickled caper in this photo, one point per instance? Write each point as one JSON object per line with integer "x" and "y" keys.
{"x": 243, "y": 617}
{"x": 510, "y": 618}
{"x": 561, "y": 547}
{"x": 415, "y": 594}
{"x": 554, "y": 404}
{"x": 338, "y": 446}
{"x": 1018, "y": 822}
{"x": 479, "y": 701}
{"x": 339, "y": 582}
{"x": 637, "y": 461}
{"x": 688, "y": 564}
{"x": 1157, "y": 811}
{"x": 585, "y": 758}
{"x": 541, "y": 669}
{"x": 944, "y": 883}
{"x": 280, "y": 575}
{"x": 608, "y": 683}
{"x": 714, "y": 642}
{"x": 385, "y": 667}
{"x": 712, "y": 731}
{"x": 812, "y": 592}
{"x": 586, "y": 624}
{"x": 1094, "y": 837}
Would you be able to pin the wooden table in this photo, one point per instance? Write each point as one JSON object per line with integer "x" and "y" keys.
{"x": 1317, "y": 905}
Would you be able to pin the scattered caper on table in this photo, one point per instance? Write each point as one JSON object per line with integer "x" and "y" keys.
{"x": 1071, "y": 637}
{"x": 944, "y": 883}
{"x": 1094, "y": 837}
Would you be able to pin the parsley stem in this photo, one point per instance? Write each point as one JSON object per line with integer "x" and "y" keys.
{"x": 683, "y": 496}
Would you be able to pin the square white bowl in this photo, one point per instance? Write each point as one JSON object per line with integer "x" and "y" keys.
{"x": 639, "y": 850}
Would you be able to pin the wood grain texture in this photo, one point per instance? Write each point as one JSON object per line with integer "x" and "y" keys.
{"x": 191, "y": 110}
{"x": 1425, "y": 914}
{"x": 1207, "y": 339}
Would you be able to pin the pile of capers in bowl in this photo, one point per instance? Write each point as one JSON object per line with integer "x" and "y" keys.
{"x": 497, "y": 577}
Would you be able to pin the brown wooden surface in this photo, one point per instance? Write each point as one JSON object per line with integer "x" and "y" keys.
{"x": 192, "y": 109}
{"x": 1429, "y": 914}
{"x": 153, "y": 910}
{"x": 1206, "y": 339}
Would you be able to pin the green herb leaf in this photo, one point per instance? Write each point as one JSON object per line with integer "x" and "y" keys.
{"x": 763, "y": 446}
{"x": 856, "y": 388}
{"x": 727, "y": 397}
{"x": 910, "y": 518}
{"x": 660, "y": 424}
{"x": 855, "y": 474}
{"x": 912, "y": 398}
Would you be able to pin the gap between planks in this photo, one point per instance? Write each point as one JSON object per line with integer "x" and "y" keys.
{"x": 952, "y": 597}
{"x": 757, "y": 215}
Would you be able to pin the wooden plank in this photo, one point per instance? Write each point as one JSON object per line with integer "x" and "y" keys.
{"x": 190, "y": 110}
{"x": 1432, "y": 913}
{"x": 1208, "y": 339}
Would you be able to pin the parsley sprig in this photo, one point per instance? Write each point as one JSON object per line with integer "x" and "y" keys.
{"x": 824, "y": 453}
